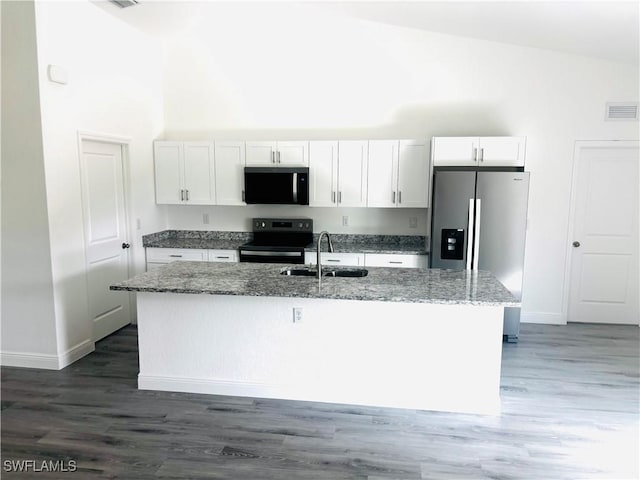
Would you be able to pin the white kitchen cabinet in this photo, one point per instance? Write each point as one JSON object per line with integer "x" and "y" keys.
{"x": 338, "y": 172}
{"x": 223, "y": 255}
{"x": 328, "y": 258}
{"x": 184, "y": 173}
{"x": 229, "y": 168}
{"x": 156, "y": 257}
{"x": 395, "y": 260}
{"x": 323, "y": 174}
{"x": 478, "y": 151}
{"x": 352, "y": 173}
{"x": 277, "y": 153}
{"x": 398, "y": 174}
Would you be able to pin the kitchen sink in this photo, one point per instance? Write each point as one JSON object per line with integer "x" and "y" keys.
{"x": 343, "y": 272}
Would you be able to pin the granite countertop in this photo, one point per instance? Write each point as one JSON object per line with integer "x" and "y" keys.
{"x": 342, "y": 243}
{"x": 381, "y": 284}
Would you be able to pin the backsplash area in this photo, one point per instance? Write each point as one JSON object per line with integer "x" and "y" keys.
{"x": 370, "y": 221}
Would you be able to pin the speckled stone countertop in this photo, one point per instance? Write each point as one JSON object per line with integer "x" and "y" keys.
{"x": 213, "y": 240}
{"x": 410, "y": 285}
{"x": 342, "y": 243}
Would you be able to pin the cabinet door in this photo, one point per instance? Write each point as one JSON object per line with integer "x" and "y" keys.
{"x": 199, "y": 178}
{"x": 229, "y": 168}
{"x": 352, "y": 173}
{"x": 323, "y": 174}
{"x": 383, "y": 173}
{"x": 413, "y": 174}
{"x": 459, "y": 151}
{"x": 168, "y": 158}
{"x": 261, "y": 153}
{"x": 292, "y": 153}
{"x": 501, "y": 151}
{"x": 394, "y": 260}
{"x": 223, "y": 255}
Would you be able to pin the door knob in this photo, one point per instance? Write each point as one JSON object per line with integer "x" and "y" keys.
{"x": 125, "y": 245}
{"x": 576, "y": 244}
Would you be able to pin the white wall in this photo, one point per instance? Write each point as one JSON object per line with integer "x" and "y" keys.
{"x": 113, "y": 88}
{"x": 290, "y": 72}
{"x": 28, "y": 323}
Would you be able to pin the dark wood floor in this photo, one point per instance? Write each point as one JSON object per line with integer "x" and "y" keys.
{"x": 570, "y": 400}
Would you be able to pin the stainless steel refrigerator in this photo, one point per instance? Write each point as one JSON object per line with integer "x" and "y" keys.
{"x": 479, "y": 222}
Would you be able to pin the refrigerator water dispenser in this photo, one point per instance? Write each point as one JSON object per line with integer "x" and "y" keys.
{"x": 452, "y": 244}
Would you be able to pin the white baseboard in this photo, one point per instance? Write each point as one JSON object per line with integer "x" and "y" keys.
{"x": 76, "y": 353}
{"x": 542, "y": 317}
{"x": 44, "y": 361}
{"x": 29, "y": 360}
{"x": 458, "y": 404}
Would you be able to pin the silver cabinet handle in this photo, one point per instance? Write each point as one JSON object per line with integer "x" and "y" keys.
{"x": 243, "y": 195}
{"x": 395, "y": 262}
{"x": 339, "y": 197}
{"x": 187, "y": 195}
{"x": 181, "y": 195}
{"x": 399, "y": 198}
{"x": 393, "y": 197}
{"x": 278, "y": 154}
{"x": 482, "y": 154}
{"x": 273, "y": 157}
{"x": 227, "y": 257}
{"x": 475, "y": 154}
{"x": 333, "y": 197}
{"x": 175, "y": 256}
{"x": 334, "y": 260}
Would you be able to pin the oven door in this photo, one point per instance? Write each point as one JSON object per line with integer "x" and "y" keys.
{"x": 295, "y": 256}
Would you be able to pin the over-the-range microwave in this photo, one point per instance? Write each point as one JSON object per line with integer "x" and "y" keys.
{"x": 276, "y": 185}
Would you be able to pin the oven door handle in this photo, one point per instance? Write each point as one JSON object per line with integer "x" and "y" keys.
{"x": 259, "y": 253}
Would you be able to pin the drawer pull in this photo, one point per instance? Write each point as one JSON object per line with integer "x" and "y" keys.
{"x": 175, "y": 256}
{"x": 223, "y": 257}
{"x": 332, "y": 260}
{"x": 397, "y": 262}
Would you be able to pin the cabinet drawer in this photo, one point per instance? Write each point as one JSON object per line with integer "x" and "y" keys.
{"x": 223, "y": 255}
{"x": 395, "y": 260}
{"x": 167, "y": 255}
{"x": 351, "y": 259}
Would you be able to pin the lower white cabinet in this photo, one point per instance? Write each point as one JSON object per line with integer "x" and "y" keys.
{"x": 328, "y": 258}
{"x": 156, "y": 257}
{"x": 395, "y": 260}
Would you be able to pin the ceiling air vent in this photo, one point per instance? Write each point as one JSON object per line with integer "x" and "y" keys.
{"x": 622, "y": 111}
{"x": 124, "y": 3}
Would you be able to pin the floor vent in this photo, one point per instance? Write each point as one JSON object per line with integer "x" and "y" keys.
{"x": 622, "y": 111}
{"x": 124, "y": 3}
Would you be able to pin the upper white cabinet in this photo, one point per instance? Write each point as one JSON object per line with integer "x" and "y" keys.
{"x": 229, "y": 163}
{"x": 277, "y": 153}
{"x": 184, "y": 172}
{"x": 398, "y": 174}
{"x": 478, "y": 151}
{"x": 338, "y": 173}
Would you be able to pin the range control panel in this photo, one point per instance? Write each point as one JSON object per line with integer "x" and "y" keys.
{"x": 282, "y": 225}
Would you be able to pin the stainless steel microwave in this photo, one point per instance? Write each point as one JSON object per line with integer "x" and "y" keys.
{"x": 276, "y": 185}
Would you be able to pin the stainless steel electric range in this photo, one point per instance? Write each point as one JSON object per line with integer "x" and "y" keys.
{"x": 278, "y": 240}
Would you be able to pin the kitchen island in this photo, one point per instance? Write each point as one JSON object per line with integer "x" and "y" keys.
{"x": 410, "y": 338}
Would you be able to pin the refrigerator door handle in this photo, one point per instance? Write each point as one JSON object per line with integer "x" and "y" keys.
{"x": 476, "y": 235}
{"x": 469, "y": 235}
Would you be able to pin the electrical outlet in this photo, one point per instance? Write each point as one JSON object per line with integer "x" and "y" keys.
{"x": 345, "y": 221}
{"x": 205, "y": 218}
{"x": 297, "y": 314}
{"x": 413, "y": 222}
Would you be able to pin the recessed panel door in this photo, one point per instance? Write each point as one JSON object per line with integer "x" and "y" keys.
{"x": 604, "y": 256}
{"x": 106, "y": 241}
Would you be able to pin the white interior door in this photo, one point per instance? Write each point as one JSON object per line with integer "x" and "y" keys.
{"x": 105, "y": 235}
{"x": 604, "y": 253}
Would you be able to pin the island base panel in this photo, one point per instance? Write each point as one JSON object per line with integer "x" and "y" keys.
{"x": 391, "y": 354}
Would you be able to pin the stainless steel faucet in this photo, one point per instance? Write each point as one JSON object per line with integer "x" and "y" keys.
{"x": 318, "y": 263}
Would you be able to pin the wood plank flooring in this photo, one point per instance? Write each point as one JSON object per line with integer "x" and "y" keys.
{"x": 570, "y": 410}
